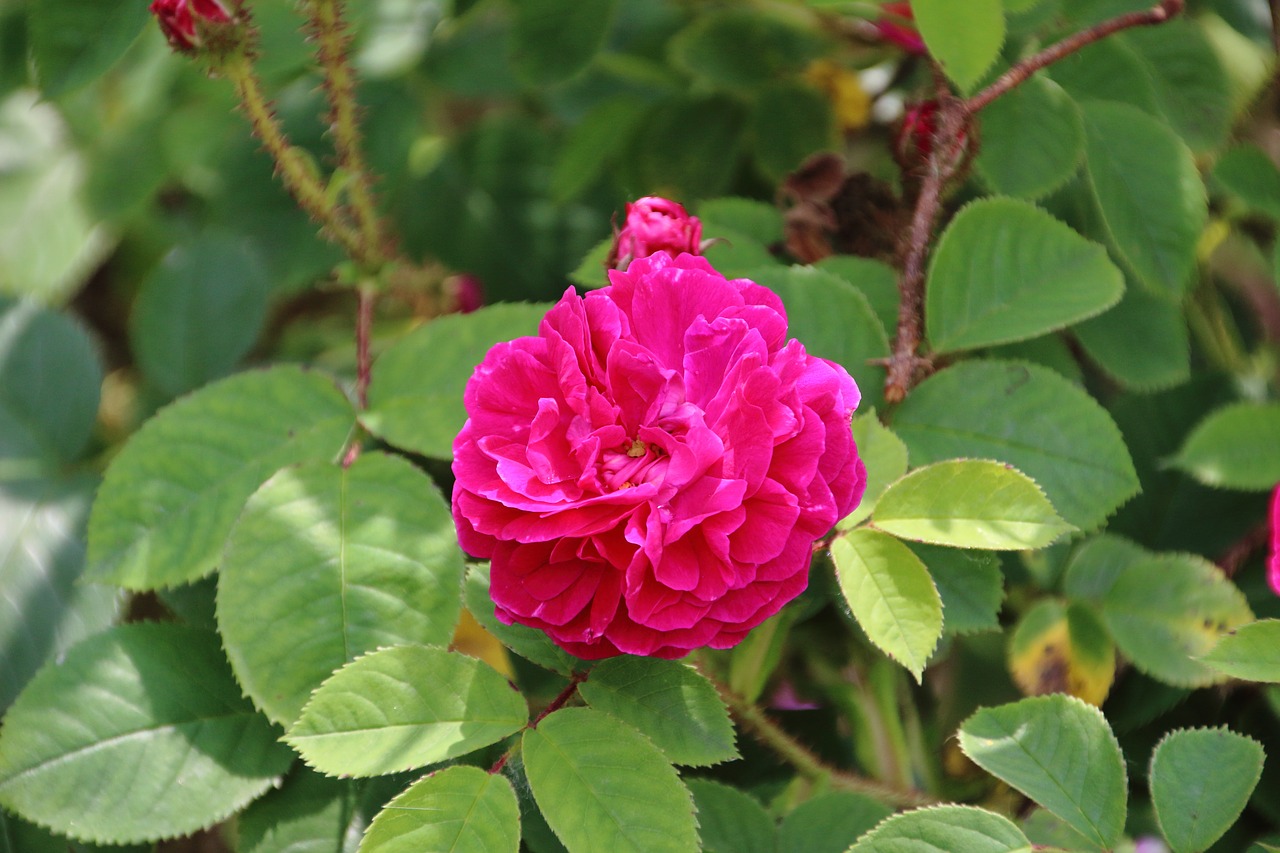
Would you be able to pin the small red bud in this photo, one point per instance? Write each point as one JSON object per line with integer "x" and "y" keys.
{"x": 181, "y": 21}
{"x": 897, "y": 32}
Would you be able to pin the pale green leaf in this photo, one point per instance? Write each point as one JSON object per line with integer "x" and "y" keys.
{"x": 415, "y": 392}
{"x": 1060, "y": 752}
{"x": 605, "y": 788}
{"x": 1005, "y": 270}
{"x": 1031, "y": 418}
{"x": 1149, "y": 191}
{"x": 137, "y": 734}
{"x": 43, "y": 610}
{"x": 404, "y": 707}
{"x": 945, "y": 829}
{"x": 199, "y": 312}
{"x": 1250, "y": 652}
{"x": 326, "y": 563}
{"x": 529, "y": 643}
{"x": 676, "y": 707}
{"x": 891, "y": 595}
{"x": 1200, "y": 781}
{"x": 730, "y": 820}
{"x": 969, "y": 503}
{"x": 1167, "y": 612}
{"x": 75, "y": 41}
{"x": 1234, "y": 448}
{"x": 885, "y": 457}
{"x": 1142, "y": 342}
{"x": 171, "y": 495}
{"x": 552, "y": 40}
{"x": 460, "y": 809}
{"x": 49, "y": 387}
{"x": 965, "y": 38}
{"x": 829, "y": 822}
{"x": 1032, "y": 140}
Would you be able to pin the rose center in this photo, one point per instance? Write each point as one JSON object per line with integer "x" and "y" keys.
{"x": 632, "y": 464}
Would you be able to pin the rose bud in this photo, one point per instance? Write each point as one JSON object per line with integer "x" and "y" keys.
{"x": 898, "y": 31}
{"x": 1273, "y": 560}
{"x": 467, "y": 292}
{"x": 649, "y": 473}
{"x": 183, "y": 21}
{"x": 655, "y": 225}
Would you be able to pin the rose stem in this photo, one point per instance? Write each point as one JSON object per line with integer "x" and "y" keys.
{"x": 555, "y": 705}
{"x": 954, "y": 115}
{"x": 805, "y": 762}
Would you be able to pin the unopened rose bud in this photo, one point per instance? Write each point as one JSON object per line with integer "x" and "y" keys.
{"x": 919, "y": 124}
{"x": 897, "y": 31}
{"x": 467, "y": 292}
{"x": 184, "y": 22}
{"x": 655, "y": 225}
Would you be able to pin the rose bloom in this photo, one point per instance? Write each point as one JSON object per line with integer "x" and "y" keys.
{"x": 655, "y": 225}
{"x": 648, "y": 474}
{"x": 1273, "y": 560}
{"x": 177, "y": 20}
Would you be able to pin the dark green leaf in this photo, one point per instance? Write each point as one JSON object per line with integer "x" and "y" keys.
{"x": 199, "y": 313}
{"x": 309, "y": 813}
{"x": 692, "y": 144}
{"x": 875, "y": 280}
{"x": 1249, "y": 174}
{"x": 1108, "y": 70}
{"x": 743, "y": 47}
{"x": 1096, "y": 565}
{"x": 138, "y": 734}
{"x": 1201, "y": 780}
{"x": 829, "y": 822}
{"x": 1191, "y": 85}
{"x": 1141, "y": 342}
{"x": 970, "y": 585}
{"x": 76, "y": 41}
{"x": 760, "y": 222}
{"x": 1032, "y": 140}
{"x": 1234, "y": 447}
{"x": 326, "y": 563}
{"x": 172, "y": 494}
{"x": 552, "y": 40}
{"x": 790, "y": 122}
{"x": 1028, "y": 417}
{"x": 729, "y": 820}
{"x": 944, "y": 829}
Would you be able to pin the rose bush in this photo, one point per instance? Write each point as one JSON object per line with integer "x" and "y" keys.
{"x": 649, "y": 473}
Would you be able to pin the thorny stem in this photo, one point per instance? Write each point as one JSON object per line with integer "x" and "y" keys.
{"x": 905, "y": 366}
{"x": 340, "y": 88}
{"x": 291, "y": 164}
{"x": 805, "y": 762}
{"x": 555, "y": 705}
{"x": 364, "y": 329}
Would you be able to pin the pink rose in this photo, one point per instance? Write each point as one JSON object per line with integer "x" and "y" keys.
{"x": 649, "y": 473}
{"x": 178, "y": 18}
{"x": 655, "y": 225}
{"x": 1273, "y": 560}
{"x": 896, "y": 31}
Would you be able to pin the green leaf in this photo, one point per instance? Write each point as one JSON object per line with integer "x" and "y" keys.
{"x": 405, "y": 707}
{"x": 1168, "y": 611}
{"x": 460, "y": 809}
{"x": 49, "y": 387}
{"x": 1059, "y": 648}
{"x": 50, "y": 242}
{"x": 18, "y": 836}
{"x": 1250, "y": 652}
{"x": 591, "y": 272}
{"x": 729, "y": 820}
{"x": 965, "y": 38}
{"x": 970, "y": 585}
{"x": 552, "y": 40}
{"x": 198, "y": 313}
{"x": 790, "y": 121}
{"x": 1032, "y": 140}
{"x": 1108, "y": 70}
{"x": 891, "y": 595}
{"x": 415, "y": 391}
{"x": 885, "y": 457}
{"x": 1060, "y": 752}
{"x": 1201, "y": 780}
{"x": 832, "y": 319}
{"x": 527, "y": 642}
{"x": 693, "y": 144}
{"x": 759, "y": 222}
{"x": 1142, "y": 342}
{"x": 43, "y": 610}
{"x": 874, "y": 279}
{"x": 829, "y": 822}
{"x": 1095, "y": 566}
{"x": 1149, "y": 191}
{"x": 1030, "y": 418}
{"x": 1005, "y": 271}
{"x": 171, "y": 495}
{"x": 1249, "y": 174}
{"x": 1234, "y": 448}
{"x": 1191, "y": 85}
{"x": 593, "y": 143}
{"x": 604, "y": 788}
{"x": 76, "y": 41}
{"x": 307, "y": 813}
{"x": 743, "y": 47}
{"x": 675, "y": 706}
{"x": 326, "y": 563}
{"x": 969, "y": 503}
{"x": 945, "y": 829}
{"x": 138, "y": 734}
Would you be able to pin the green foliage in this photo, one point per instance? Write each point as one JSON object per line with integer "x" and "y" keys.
{"x": 825, "y": 823}
{"x": 170, "y": 746}
{"x": 730, "y": 821}
{"x": 1006, "y": 271}
{"x": 461, "y": 809}
{"x": 1060, "y": 752}
{"x": 73, "y": 43}
{"x": 603, "y": 786}
{"x": 1142, "y": 342}
{"x": 965, "y": 39}
{"x": 1231, "y": 448}
{"x": 1251, "y": 652}
{"x": 944, "y": 829}
{"x": 1200, "y": 782}
{"x": 552, "y": 40}
{"x": 1032, "y": 140}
